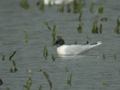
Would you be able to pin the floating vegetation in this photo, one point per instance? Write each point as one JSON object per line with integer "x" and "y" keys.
{"x": 45, "y": 52}
{"x": 41, "y": 5}
{"x": 13, "y": 68}
{"x": 92, "y": 5}
{"x": 24, "y": 4}
{"x": 28, "y": 82}
{"x": 12, "y": 55}
{"x": 26, "y": 38}
{"x": 117, "y": 28}
{"x": 47, "y": 78}
{"x": 100, "y": 9}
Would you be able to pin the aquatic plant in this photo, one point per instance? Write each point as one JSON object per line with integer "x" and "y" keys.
{"x": 13, "y": 68}
{"x": 103, "y": 56}
{"x": 12, "y": 55}
{"x": 47, "y": 78}
{"x": 45, "y": 52}
{"x": 26, "y": 38}
{"x": 79, "y": 28}
{"x": 61, "y": 8}
{"x": 28, "y": 82}
{"x": 104, "y": 19}
{"x": 117, "y": 27}
{"x": 95, "y": 28}
{"x": 91, "y": 8}
{"x": 7, "y": 88}
{"x": 1, "y": 82}
{"x": 68, "y": 8}
{"x": 3, "y": 57}
{"x": 48, "y": 26}
{"x": 77, "y": 6}
{"x": 41, "y": 5}
{"x": 104, "y": 83}
{"x": 24, "y": 4}
{"x": 69, "y": 79}
{"x": 100, "y": 28}
{"x": 100, "y": 9}
{"x": 53, "y": 57}
{"x": 53, "y": 31}
{"x": 115, "y": 57}
{"x": 54, "y": 34}
{"x": 80, "y": 16}
{"x": 40, "y": 88}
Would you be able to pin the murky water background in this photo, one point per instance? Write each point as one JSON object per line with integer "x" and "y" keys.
{"x": 91, "y": 71}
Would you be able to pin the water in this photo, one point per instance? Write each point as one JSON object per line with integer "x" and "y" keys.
{"x": 91, "y": 71}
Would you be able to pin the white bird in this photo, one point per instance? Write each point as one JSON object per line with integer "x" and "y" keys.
{"x": 75, "y": 49}
{"x": 57, "y": 2}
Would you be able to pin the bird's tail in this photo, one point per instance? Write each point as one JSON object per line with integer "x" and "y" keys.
{"x": 99, "y": 42}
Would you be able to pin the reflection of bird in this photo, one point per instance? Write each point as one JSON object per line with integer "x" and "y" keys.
{"x": 73, "y": 49}
{"x": 56, "y": 2}
{"x": 1, "y": 82}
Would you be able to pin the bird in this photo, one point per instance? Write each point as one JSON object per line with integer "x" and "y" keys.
{"x": 1, "y": 82}
{"x": 56, "y": 2}
{"x": 73, "y": 49}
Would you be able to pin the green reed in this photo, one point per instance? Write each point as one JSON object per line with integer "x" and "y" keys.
{"x": 41, "y": 5}
{"x": 40, "y": 88}
{"x": 100, "y": 28}
{"x": 95, "y": 27}
{"x": 47, "y": 78}
{"x": 26, "y": 37}
{"x": 100, "y": 9}
{"x": 53, "y": 57}
{"x": 91, "y": 8}
{"x": 79, "y": 28}
{"x": 13, "y": 68}
{"x": 45, "y": 52}
{"x": 69, "y": 79}
{"x": 68, "y": 8}
{"x": 3, "y": 57}
{"x": 24, "y": 4}
{"x": 28, "y": 83}
{"x": 77, "y": 6}
{"x": 61, "y": 8}
{"x": 117, "y": 27}
{"x": 53, "y": 30}
{"x": 103, "y": 56}
{"x": 12, "y": 55}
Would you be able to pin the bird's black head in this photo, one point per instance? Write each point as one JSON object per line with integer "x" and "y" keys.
{"x": 60, "y": 41}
